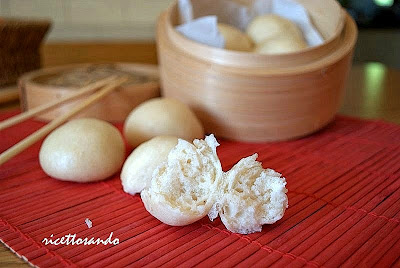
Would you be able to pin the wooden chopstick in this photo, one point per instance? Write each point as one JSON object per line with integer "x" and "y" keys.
{"x": 45, "y": 107}
{"x": 36, "y": 136}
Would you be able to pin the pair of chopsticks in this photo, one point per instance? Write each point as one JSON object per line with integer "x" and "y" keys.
{"x": 107, "y": 85}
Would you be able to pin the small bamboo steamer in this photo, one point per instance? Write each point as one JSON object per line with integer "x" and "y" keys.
{"x": 113, "y": 108}
{"x": 252, "y": 97}
{"x": 328, "y": 18}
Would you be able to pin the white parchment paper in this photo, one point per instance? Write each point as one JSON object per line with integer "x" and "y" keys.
{"x": 203, "y": 30}
{"x": 199, "y": 18}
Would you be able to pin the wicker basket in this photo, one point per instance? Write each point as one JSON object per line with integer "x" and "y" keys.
{"x": 19, "y": 47}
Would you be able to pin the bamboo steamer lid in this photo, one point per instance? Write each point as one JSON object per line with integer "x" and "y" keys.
{"x": 36, "y": 90}
{"x": 251, "y": 97}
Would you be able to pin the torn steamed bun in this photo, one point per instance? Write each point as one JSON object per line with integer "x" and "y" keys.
{"x": 250, "y": 196}
{"x": 183, "y": 189}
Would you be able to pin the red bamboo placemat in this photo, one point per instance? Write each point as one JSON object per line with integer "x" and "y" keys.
{"x": 344, "y": 208}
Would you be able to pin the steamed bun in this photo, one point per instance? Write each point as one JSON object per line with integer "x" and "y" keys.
{"x": 250, "y": 197}
{"x": 275, "y": 35}
{"x": 191, "y": 184}
{"x": 161, "y": 117}
{"x": 82, "y": 150}
{"x": 141, "y": 163}
{"x": 268, "y": 26}
{"x": 184, "y": 188}
{"x": 234, "y": 38}
{"x": 281, "y": 44}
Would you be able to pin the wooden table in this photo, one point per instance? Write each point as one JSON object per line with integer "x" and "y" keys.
{"x": 373, "y": 91}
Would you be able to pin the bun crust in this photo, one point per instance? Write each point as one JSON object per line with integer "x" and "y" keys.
{"x": 234, "y": 38}
{"x": 280, "y": 45}
{"x": 143, "y": 161}
{"x": 163, "y": 211}
{"x": 162, "y": 117}
{"x": 183, "y": 189}
{"x": 268, "y": 26}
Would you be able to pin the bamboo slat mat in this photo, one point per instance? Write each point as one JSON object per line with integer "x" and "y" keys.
{"x": 344, "y": 208}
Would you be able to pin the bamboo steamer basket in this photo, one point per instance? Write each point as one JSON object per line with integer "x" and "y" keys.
{"x": 329, "y": 20}
{"x": 114, "y": 108}
{"x": 252, "y": 97}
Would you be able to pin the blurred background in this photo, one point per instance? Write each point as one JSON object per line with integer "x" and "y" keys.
{"x": 379, "y": 30}
{"x": 78, "y": 25}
